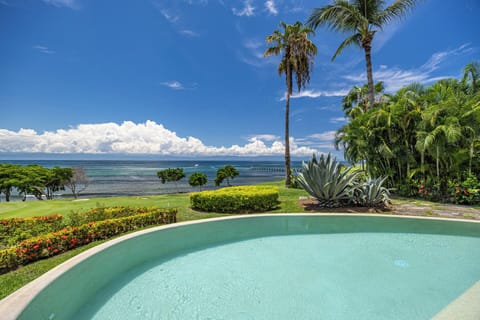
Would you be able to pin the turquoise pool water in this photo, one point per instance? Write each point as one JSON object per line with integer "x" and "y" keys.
{"x": 282, "y": 267}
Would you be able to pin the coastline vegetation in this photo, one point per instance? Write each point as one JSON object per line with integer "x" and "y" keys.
{"x": 426, "y": 140}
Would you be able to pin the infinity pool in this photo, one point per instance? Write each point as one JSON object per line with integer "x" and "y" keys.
{"x": 273, "y": 267}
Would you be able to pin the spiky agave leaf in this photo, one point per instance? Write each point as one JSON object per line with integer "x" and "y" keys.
{"x": 324, "y": 180}
{"x": 372, "y": 193}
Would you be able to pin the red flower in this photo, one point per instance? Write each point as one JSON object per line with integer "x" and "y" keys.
{"x": 64, "y": 237}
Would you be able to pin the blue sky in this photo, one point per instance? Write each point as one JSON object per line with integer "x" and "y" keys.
{"x": 187, "y": 78}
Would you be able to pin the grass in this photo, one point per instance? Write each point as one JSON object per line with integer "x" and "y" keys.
{"x": 19, "y": 209}
{"x": 14, "y": 280}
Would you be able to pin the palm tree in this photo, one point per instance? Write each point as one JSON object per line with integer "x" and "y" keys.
{"x": 362, "y": 18}
{"x": 472, "y": 71}
{"x": 356, "y": 100}
{"x": 298, "y": 52}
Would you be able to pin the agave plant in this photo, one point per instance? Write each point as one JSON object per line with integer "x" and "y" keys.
{"x": 326, "y": 181}
{"x": 372, "y": 193}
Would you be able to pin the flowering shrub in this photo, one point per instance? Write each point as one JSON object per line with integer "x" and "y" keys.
{"x": 17, "y": 229}
{"x": 236, "y": 199}
{"x": 466, "y": 192}
{"x": 103, "y": 213}
{"x": 68, "y": 238}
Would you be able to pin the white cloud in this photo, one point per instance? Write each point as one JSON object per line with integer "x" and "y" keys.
{"x": 270, "y": 7}
{"x": 72, "y": 4}
{"x": 133, "y": 138}
{"x": 324, "y": 140}
{"x": 247, "y": 10}
{"x": 44, "y": 49}
{"x": 263, "y": 137}
{"x": 338, "y": 120}
{"x": 173, "y": 85}
{"x": 189, "y": 33}
{"x": 324, "y": 136}
{"x": 316, "y": 93}
{"x": 169, "y": 16}
{"x": 395, "y": 78}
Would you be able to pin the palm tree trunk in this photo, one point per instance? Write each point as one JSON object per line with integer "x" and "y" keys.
{"x": 287, "y": 127}
{"x": 438, "y": 162}
{"x": 287, "y": 142}
{"x": 368, "y": 61}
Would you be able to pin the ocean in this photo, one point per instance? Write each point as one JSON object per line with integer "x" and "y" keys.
{"x": 134, "y": 177}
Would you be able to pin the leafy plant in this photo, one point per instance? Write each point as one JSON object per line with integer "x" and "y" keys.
{"x": 50, "y": 244}
{"x": 236, "y": 199}
{"x": 171, "y": 175}
{"x": 327, "y": 182}
{"x": 228, "y": 172}
{"x": 197, "y": 179}
{"x": 372, "y": 193}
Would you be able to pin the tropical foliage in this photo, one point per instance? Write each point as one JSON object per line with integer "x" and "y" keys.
{"x": 327, "y": 181}
{"x": 297, "y": 53}
{"x": 361, "y": 19}
{"x": 372, "y": 193}
{"x": 419, "y": 136}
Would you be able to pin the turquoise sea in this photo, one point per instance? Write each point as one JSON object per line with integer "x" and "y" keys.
{"x": 134, "y": 177}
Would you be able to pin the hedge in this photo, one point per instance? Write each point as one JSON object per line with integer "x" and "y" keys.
{"x": 104, "y": 213}
{"x": 15, "y": 230}
{"x": 51, "y": 244}
{"x": 244, "y": 199}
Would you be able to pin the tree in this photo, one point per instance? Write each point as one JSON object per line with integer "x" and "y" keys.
{"x": 298, "y": 52}
{"x": 8, "y": 175}
{"x": 471, "y": 76}
{"x": 171, "y": 175}
{"x": 56, "y": 179}
{"x": 228, "y": 172}
{"x": 78, "y": 182}
{"x": 362, "y": 18}
{"x": 197, "y": 179}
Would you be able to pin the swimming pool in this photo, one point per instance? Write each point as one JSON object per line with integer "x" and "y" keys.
{"x": 268, "y": 267}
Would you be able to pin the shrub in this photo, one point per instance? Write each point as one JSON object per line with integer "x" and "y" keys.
{"x": 466, "y": 192}
{"x": 103, "y": 213}
{"x": 372, "y": 193}
{"x": 17, "y": 229}
{"x": 327, "y": 182}
{"x": 236, "y": 199}
{"x": 71, "y": 237}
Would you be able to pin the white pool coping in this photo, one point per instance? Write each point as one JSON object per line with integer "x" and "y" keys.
{"x": 12, "y": 306}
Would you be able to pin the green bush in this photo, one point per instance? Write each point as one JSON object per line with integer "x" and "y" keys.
{"x": 68, "y": 238}
{"x": 15, "y": 230}
{"x": 244, "y": 199}
{"x": 103, "y": 213}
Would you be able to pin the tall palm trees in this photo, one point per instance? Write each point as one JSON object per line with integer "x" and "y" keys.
{"x": 362, "y": 18}
{"x": 297, "y": 58}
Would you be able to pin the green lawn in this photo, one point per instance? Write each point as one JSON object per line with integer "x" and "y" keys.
{"x": 19, "y": 209}
{"x": 12, "y": 281}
